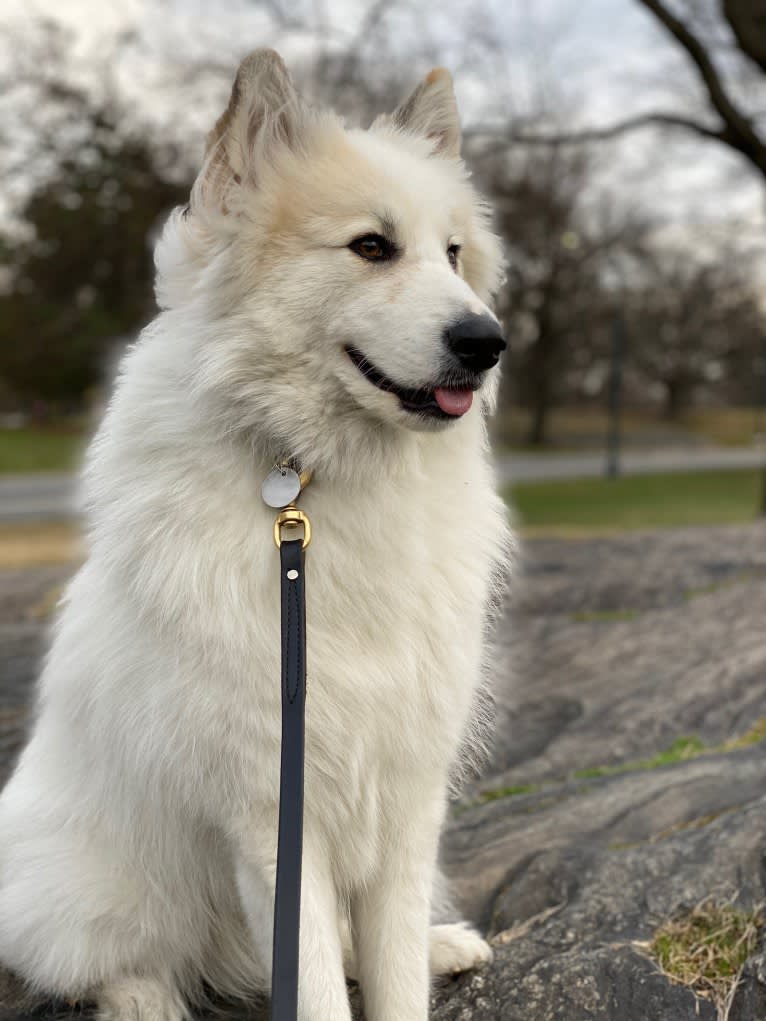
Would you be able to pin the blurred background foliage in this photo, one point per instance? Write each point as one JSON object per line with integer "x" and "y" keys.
{"x": 96, "y": 145}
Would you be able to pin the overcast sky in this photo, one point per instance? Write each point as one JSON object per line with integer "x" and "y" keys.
{"x": 606, "y": 59}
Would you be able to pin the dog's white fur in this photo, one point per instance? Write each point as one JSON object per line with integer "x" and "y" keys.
{"x": 138, "y": 832}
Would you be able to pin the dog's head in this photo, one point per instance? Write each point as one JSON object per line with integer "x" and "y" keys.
{"x": 347, "y": 270}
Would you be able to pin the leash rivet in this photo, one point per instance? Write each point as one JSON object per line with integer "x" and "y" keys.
{"x": 292, "y": 575}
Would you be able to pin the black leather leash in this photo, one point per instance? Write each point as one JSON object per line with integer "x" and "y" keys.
{"x": 287, "y": 904}
{"x": 280, "y": 490}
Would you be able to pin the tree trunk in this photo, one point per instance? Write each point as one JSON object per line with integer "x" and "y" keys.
{"x": 538, "y": 427}
{"x": 540, "y": 389}
{"x": 676, "y": 398}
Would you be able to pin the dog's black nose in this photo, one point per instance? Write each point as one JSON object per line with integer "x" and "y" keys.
{"x": 477, "y": 341}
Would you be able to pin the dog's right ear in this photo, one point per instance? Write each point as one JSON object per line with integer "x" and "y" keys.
{"x": 264, "y": 111}
{"x": 432, "y": 111}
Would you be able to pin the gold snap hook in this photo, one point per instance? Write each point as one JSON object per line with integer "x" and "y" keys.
{"x": 291, "y": 518}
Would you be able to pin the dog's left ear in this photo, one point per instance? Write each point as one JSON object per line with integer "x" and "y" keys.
{"x": 432, "y": 111}
{"x": 264, "y": 112}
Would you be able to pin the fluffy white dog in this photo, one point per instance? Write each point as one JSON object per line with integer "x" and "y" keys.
{"x": 323, "y": 299}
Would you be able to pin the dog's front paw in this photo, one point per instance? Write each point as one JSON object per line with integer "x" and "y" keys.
{"x": 140, "y": 999}
{"x": 456, "y": 948}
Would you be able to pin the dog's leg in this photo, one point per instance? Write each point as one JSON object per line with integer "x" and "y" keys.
{"x": 322, "y": 991}
{"x": 454, "y": 945}
{"x": 455, "y": 948}
{"x": 391, "y": 920}
{"x": 452, "y": 948}
{"x": 141, "y": 999}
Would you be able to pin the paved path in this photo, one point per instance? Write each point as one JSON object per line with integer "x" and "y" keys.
{"x": 37, "y": 497}
{"x": 544, "y": 467}
{"x": 47, "y": 497}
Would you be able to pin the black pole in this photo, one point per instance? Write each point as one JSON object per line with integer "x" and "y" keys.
{"x": 615, "y": 397}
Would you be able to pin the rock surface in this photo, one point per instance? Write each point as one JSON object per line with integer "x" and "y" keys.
{"x": 587, "y": 828}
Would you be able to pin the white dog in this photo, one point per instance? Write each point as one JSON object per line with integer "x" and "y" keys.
{"x": 323, "y": 299}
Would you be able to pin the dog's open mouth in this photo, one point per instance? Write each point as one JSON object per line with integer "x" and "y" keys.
{"x": 449, "y": 401}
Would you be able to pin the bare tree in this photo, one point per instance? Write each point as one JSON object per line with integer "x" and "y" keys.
{"x": 557, "y": 297}
{"x": 694, "y": 323}
{"x": 729, "y": 119}
{"x": 75, "y": 263}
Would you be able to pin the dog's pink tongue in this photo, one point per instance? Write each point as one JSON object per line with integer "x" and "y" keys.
{"x": 453, "y": 402}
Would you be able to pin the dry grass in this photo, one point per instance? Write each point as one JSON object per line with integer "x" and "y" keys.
{"x": 585, "y": 427}
{"x": 755, "y": 735}
{"x": 36, "y": 545}
{"x": 731, "y": 427}
{"x": 707, "y": 948}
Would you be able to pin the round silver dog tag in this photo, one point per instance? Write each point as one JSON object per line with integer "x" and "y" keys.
{"x": 280, "y": 487}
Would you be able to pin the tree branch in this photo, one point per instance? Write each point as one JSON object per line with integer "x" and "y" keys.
{"x": 736, "y": 131}
{"x": 747, "y": 19}
{"x": 739, "y": 133}
{"x": 644, "y": 120}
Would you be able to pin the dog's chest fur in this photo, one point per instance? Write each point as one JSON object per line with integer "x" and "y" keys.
{"x": 398, "y": 589}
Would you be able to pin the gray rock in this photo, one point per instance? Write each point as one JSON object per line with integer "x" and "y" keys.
{"x": 602, "y": 983}
{"x": 580, "y": 687}
{"x": 610, "y": 651}
{"x": 570, "y": 912}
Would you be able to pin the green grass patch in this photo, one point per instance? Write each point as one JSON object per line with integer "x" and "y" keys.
{"x": 639, "y": 501}
{"x": 706, "y": 948}
{"x": 39, "y": 450}
{"x": 509, "y": 792}
{"x": 586, "y": 616}
{"x": 681, "y": 749}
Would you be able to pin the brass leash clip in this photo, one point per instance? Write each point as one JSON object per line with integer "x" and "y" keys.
{"x": 291, "y": 518}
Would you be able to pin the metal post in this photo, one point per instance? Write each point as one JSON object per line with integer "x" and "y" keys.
{"x": 615, "y": 397}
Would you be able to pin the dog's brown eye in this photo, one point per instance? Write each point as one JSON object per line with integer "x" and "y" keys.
{"x": 452, "y": 253}
{"x": 373, "y": 247}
